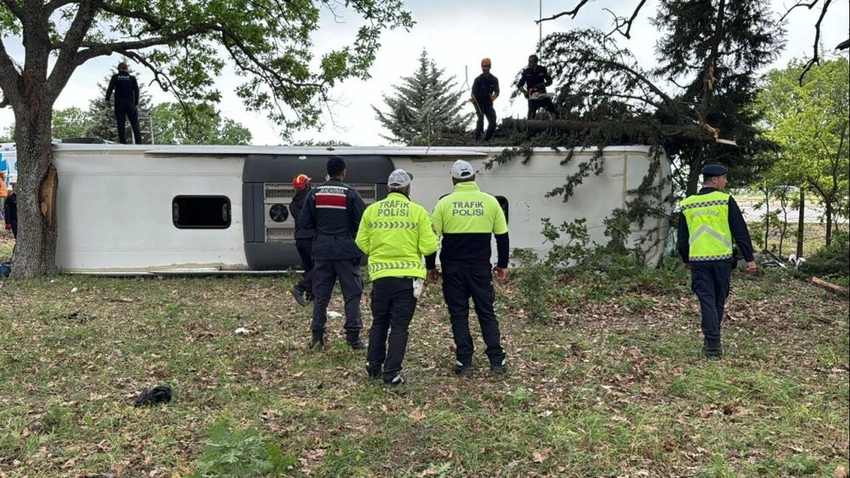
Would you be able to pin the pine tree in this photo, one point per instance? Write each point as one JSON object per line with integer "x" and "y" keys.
{"x": 426, "y": 109}
{"x": 718, "y": 47}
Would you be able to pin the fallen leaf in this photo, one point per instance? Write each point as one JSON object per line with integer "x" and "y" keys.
{"x": 417, "y": 415}
{"x": 540, "y": 455}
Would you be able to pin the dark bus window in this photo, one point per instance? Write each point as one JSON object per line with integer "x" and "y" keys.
{"x": 201, "y": 212}
{"x": 503, "y": 201}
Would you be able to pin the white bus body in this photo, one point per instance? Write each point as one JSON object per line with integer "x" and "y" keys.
{"x": 172, "y": 209}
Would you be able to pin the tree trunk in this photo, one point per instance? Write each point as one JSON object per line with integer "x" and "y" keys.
{"x": 694, "y": 171}
{"x": 801, "y": 223}
{"x": 35, "y": 251}
{"x": 828, "y": 212}
{"x": 767, "y": 220}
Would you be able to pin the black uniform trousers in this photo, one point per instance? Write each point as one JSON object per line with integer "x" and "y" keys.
{"x": 482, "y": 109}
{"x": 124, "y": 110}
{"x": 460, "y": 282}
{"x": 545, "y": 103}
{"x": 305, "y": 250}
{"x": 393, "y": 305}
{"x": 325, "y": 275}
{"x": 710, "y": 282}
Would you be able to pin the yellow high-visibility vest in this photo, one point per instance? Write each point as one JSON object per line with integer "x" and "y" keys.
{"x": 707, "y": 216}
{"x": 396, "y": 232}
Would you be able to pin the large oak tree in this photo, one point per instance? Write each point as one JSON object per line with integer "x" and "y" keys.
{"x": 185, "y": 44}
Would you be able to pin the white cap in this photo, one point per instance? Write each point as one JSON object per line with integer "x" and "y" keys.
{"x": 399, "y": 179}
{"x": 462, "y": 170}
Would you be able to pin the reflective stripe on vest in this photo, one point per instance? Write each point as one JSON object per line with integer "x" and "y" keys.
{"x": 707, "y": 216}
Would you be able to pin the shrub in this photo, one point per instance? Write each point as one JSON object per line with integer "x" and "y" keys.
{"x": 536, "y": 280}
{"x": 239, "y": 453}
{"x": 832, "y": 260}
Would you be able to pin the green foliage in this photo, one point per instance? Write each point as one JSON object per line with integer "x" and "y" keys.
{"x": 426, "y": 109}
{"x": 832, "y": 260}
{"x": 810, "y": 122}
{"x": 70, "y": 123}
{"x": 536, "y": 281}
{"x": 240, "y": 453}
{"x": 195, "y": 123}
{"x": 614, "y": 265}
{"x": 578, "y": 244}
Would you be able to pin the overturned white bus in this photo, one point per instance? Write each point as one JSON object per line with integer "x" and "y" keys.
{"x": 174, "y": 209}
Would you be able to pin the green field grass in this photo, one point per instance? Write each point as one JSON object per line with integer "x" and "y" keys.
{"x": 612, "y": 385}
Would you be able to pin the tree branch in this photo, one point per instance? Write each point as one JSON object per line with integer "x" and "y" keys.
{"x": 571, "y": 13}
{"x": 9, "y": 77}
{"x": 696, "y": 132}
{"x": 94, "y": 50}
{"x": 54, "y": 5}
{"x": 799, "y": 4}
{"x": 667, "y": 100}
{"x": 619, "y": 22}
{"x": 153, "y": 21}
{"x": 65, "y": 64}
{"x": 15, "y": 8}
{"x": 816, "y": 58}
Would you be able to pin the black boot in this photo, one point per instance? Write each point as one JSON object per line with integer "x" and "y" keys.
{"x": 318, "y": 339}
{"x": 298, "y": 294}
{"x": 353, "y": 339}
{"x": 712, "y": 348}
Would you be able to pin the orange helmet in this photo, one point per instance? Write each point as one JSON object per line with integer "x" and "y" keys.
{"x": 301, "y": 182}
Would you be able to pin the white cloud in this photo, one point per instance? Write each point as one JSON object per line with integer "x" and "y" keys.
{"x": 457, "y": 35}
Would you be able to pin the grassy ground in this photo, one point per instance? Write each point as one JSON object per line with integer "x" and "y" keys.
{"x": 612, "y": 386}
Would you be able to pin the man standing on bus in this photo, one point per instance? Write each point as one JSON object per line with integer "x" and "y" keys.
{"x": 485, "y": 90}
{"x": 126, "y": 102}
{"x": 536, "y": 78}
{"x": 334, "y": 210}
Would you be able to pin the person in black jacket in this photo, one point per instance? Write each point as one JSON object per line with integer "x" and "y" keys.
{"x": 126, "y": 102}
{"x": 10, "y": 211}
{"x": 536, "y": 78}
{"x": 710, "y": 223}
{"x": 485, "y": 90}
{"x": 303, "y": 240}
{"x": 334, "y": 210}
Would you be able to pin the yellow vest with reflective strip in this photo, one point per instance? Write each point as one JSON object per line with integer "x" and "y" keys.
{"x": 396, "y": 232}
{"x": 707, "y": 216}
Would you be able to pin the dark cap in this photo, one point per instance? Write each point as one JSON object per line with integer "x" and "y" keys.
{"x": 712, "y": 170}
{"x": 336, "y": 165}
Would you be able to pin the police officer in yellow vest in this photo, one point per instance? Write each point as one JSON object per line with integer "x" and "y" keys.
{"x": 395, "y": 232}
{"x": 709, "y": 223}
{"x": 468, "y": 219}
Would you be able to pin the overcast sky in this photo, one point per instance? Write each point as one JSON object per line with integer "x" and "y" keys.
{"x": 456, "y": 34}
